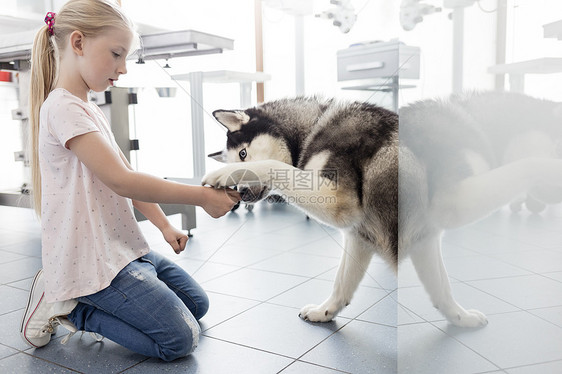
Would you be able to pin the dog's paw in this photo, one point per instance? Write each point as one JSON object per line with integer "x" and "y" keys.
{"x": 469, "y": 318}
{"x": 315, "y": 313}
{"x": 252, "y": 193}
{"x": 214, "y": 179}
{"x": 249, "y": 174}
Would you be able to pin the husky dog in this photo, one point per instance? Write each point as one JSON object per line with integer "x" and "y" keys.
{"x": 462, "y": 159}
{"x": 454, "y": 162}
{"x": 336, "y": 161}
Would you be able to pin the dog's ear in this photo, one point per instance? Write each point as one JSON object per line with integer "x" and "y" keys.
{"x": 219, "y": 156}
{"x": 231, "y": 119}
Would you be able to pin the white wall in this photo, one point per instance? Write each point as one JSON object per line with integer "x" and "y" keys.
{"x": 526, "y": 42}
{"x": 377, "y": 20}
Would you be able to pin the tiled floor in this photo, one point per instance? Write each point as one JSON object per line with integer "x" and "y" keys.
{"x": 260, "y": 267}
{"x": 509, "y": 266}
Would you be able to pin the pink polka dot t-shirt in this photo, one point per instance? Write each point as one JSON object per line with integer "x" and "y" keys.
{"x": 89, "y": 233}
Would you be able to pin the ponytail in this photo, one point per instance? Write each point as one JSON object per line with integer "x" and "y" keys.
{"x": 91, "y": 17}
{"x": 43, "y": 77}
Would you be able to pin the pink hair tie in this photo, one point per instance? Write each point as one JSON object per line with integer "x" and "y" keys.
{"x": 50, "y": 21}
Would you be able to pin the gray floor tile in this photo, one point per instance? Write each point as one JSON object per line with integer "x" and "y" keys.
{"x": 511, "y": 339}
{"x": 253, "y": 284}
{"x": 305, "y": 231}
{"x": 416, "y": 299}
{"x": 214, "y": 356}
{"x": 24, "y": 284}
{"x": 315, "y": 291}
{"x": 480, "y": 267}
{"x": 450, "y": 250}
{"x": 84, "y": 354}
{"x": 10, "y": 332}
{"x": 222, "y": 308}
{"x": 240, "y": 254}
{"x": 359, "y": 347}
{"x": 546, "y": 368}
{"x": 423, "y": 348}
{"x": 377, "y": 275}
{"x": 275, "y": 241}
{"x": 327, "y": 246}
{"x": 6, "y": 256}
{"x": 7, "y": 351}
{"x": 504, "y": 264}
{"x": 298, "y": 264}
{"x": 274, "y": 328}
{"x": 299, "y": 367}
{"x": 407, "y": 316}
{"x": 538, "y": 238}
{"x": 205, "y": 247}
{"x": 384, "y": 312}
{"x": 542, "y": 261}
{"x": 556, "y": 276}
{"x": 552, "y": 315}
{"x": 24, "y": 363}
{"x": 12, "y": 299}
{"x": 533, "y": 291}
{"x": 30, "y": 247}
{"x": 10, "y": 236}
{"x": 407, "y": 276}
{"x": 205, "y": 271}
{"x": 485, "y": 243}
{"x": 19, "y": 269}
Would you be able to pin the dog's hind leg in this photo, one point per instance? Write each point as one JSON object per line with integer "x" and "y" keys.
{"x": 428, "y": 262}
{"x": 352, "y": 268}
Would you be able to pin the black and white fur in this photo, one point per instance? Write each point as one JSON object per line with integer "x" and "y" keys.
{"x": 460, "y": 160}
{"x": 454, "y": 162}
{"x": 348, "y": 150}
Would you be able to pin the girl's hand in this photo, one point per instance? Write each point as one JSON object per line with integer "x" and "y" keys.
{"x": 218, "y": 202}
{"x": 176, "y": 238}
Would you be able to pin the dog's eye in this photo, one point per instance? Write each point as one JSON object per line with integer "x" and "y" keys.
{"x": 243, "y": 154}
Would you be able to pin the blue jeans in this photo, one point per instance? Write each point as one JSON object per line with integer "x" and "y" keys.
{"x": 151, "y": 307}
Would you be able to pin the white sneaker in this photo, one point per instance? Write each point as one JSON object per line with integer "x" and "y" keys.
{"x": 40, "y": 319}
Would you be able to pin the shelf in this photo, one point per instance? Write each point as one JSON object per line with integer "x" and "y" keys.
{"x": 547, "y": 65}
{"x": 182, "y": 43}
{"x": 160, "y": 45}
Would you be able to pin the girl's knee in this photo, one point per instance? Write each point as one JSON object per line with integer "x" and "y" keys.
{"x": 202, "y": 306}
{"x": 185, "y": 339}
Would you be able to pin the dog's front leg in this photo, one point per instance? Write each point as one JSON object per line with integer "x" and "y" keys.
{"x": 318, "y": 196}
{"x": 351, "y": 270}
{"x": 243, "y": 174}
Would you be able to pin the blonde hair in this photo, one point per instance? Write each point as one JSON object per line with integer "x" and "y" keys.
{"x": 91, "y": 18}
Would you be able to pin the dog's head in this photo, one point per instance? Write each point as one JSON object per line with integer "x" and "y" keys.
{"x": 252, "y": 135}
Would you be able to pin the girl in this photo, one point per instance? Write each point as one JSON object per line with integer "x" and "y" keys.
{"x": 98, "y": 273}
